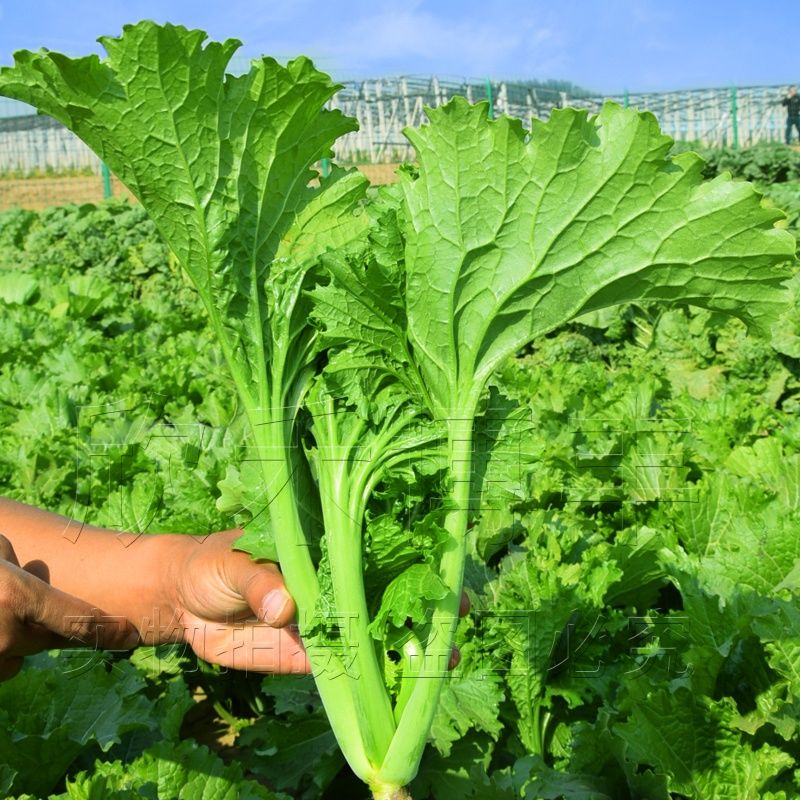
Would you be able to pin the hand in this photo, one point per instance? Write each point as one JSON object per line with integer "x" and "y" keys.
{"x": 234, "y": 611}
{"x": 463, "y": 610}
{"x": 34, "y": 616}
{"x": 172, "y": 588}
{"x": 237, "y": 612}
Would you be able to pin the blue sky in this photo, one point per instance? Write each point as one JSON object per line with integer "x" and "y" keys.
{"x": 608, "y": 45}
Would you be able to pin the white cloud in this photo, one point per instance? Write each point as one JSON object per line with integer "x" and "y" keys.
{"x": 405, "y": 37}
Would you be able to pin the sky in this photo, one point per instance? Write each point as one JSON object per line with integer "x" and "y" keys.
{"x": 606, "y": 46}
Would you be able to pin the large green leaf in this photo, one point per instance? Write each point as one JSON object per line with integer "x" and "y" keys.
{"x": 511, "y": 234}
{"x": 220, "y": 162}
{"x": 52, "y": 712}
{"x": 692, "y": 740}
{"x": 741, "y": 540}
{"x": 184, "y": 771}
{"x": 468, "y": 701}
{"x": 534, "y": 600}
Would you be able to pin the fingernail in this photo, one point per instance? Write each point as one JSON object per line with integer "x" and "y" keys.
{"x": 274, "y": 605}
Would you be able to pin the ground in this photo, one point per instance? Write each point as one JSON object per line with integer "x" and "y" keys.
{"x": 39, "y": 193}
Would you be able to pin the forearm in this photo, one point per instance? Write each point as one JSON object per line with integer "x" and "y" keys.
{"x": 120, "y": 573}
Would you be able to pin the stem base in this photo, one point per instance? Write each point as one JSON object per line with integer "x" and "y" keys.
{"x": 391, "y": 793}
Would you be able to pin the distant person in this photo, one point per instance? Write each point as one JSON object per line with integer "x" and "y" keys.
{"x": 792, "y": 103}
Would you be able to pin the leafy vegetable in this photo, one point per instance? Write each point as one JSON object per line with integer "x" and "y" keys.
{"x": 168, "y": 773}
{"x": 362, "y": 344}
{"x": 145, "y": 376}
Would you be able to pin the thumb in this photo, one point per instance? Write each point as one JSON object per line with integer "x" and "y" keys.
{"x": 262, "y": 586}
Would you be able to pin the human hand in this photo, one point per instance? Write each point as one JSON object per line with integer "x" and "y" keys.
{"x": 34, "y": 616}
{"x": 237, "y": 612}
{"x": 171, "y": 587}
{"x": 234, "y": 611}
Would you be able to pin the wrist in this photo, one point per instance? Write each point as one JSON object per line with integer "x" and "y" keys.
{"x": 159, "y": 607}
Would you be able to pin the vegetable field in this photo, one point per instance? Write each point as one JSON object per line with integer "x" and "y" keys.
{"x": 558, "y": 370}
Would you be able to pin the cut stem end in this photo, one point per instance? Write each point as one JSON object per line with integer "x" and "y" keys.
{"x": 390, "y": 793}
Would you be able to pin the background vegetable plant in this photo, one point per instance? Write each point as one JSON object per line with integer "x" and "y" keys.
{"x": 579, "y": 526}
{"x": 762, "y": 163}
{"x": 496, "y": 242}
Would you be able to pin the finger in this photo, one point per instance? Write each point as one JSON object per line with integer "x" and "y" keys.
{"x": 455, "y": 658}
{"x": 7, "y": 551}
{"x": 251, "y": 647}
{"x": 464, "y": 605}
{"x": 9, "y": 667}
{"x": 75, "y": 622}
{"x": 263, "y": 588}
{"x": 39, "y": 569}
{"x": 34, "y": 638}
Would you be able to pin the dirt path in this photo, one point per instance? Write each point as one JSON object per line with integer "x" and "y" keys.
{"x": 39, "y": 193}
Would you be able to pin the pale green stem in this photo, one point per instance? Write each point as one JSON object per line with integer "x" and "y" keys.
{"x": 293, "y": 552}
{"x": 343, "y": 534}
{"x": 412, "y": 656}
{"x": 301, "y": 581}
{"x": 545, "y": 724}
{"x": 402, "y": 760}
{"x": 369, "y": 691}
{"x": 537, "y": 729}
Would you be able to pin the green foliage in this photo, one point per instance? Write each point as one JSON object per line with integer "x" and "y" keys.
{"x": 440, "y": 385}
{"x": 167, "y": 772}
{"x": 768, "y": 162}
{"x": 595, "y": 606}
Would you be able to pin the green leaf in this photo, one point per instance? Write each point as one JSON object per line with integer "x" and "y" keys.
{"x": 636, "y": 553}
{"x": 509, "y": 236}
{"x": 460, "y": 774}
{"x": 468, "y": 701}
{"x": 183, "y": 771}
{"x": 595, "y": 751}
{"x": 51, "y": 712}
{"x": 292, "y": 754}
{"x": 7, "y": 776}
{"x": 362, "y": 308}
{"x": 780, "y": 631}
{"x": 544, "y": 783}
{"x": 690, "y": 737}
{"x": 135, "y": 507}
{"x": 770, "y": 468}
{"x": 242, "y": 493}
{"x": 711, "y": 624}
{"x": 17, "y": 287}
{"x": 535, "y": 597}
{"x": 741, "y": 540}
{"x": 292, "y": 694}
{"x": 391, "y": 545}
{"x": 258, "y": 541}
{"x": 409, "y": 595}
{"x": 223, "y": 166}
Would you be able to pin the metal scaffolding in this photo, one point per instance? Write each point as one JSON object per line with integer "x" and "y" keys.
{"x": 711, "y": 117}
{"x": 36, "y": 147}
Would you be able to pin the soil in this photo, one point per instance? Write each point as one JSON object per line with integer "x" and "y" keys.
{"x": 39, "y": 193}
